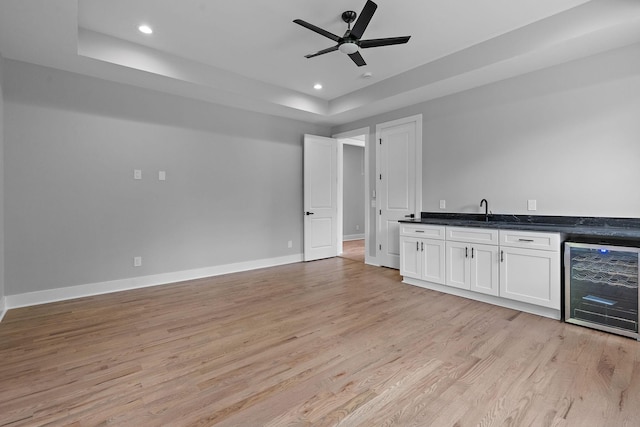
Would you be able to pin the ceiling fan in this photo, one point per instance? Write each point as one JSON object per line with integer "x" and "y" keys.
{"x": 350, "y": 42}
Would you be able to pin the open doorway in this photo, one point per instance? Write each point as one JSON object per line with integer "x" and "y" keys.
{"x": 353, "y": 189}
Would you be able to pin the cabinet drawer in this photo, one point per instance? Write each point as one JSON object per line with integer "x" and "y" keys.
{"x": 530, "y": 239}
{"x": 426, "y": 231}
{"x": 473, "y": 235}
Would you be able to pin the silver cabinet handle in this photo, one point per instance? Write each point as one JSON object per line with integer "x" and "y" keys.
{"x": 422, "y": 246}
{"x": 417, "y": 246}
{"x": 501, "y": 256}
{"x": 526, "y": 240}
{"x": 471, "y": 253}
{"x": 419, "y": 231}
{"x": 466, "y": 252}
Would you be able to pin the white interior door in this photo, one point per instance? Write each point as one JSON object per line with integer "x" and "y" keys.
{"x": 320, "y": 197}
{"x": 399, "y": 183}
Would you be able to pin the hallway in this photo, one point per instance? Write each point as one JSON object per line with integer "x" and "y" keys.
{"x": 353, "y": 250}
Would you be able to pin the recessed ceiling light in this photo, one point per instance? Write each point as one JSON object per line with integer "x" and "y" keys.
{"x": 317, "y": 86}
{"x": 145, "y": 29}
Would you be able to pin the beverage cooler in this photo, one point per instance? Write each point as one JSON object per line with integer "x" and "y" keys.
{"x": 601, "y": 287}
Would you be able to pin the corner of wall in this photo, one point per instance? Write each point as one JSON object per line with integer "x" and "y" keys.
{"x": 3, "y": 308}
{"x": 2, "y": 284}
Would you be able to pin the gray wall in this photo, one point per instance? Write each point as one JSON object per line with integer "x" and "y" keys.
{"x": 353, "y": 195}
{"x": 75, "y": 215}
{"x": 566, "y": 136}
{"x": 2, "y": 286}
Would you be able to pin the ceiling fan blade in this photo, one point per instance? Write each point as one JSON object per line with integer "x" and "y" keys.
{"x": 358, "y": 59}
{"x": 383, "y": 42}
{"x": 363, "y": 19}
{"x": 317, "y": 29}
{"x": 322, "y": 52}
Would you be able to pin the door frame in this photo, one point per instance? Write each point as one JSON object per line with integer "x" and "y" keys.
{"x": 417, "y": 120}
{"x": 367, "y": 236}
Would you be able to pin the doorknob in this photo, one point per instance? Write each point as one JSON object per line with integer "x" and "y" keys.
{"x": 410, "y": 216}
{"x": 308, "y": 213}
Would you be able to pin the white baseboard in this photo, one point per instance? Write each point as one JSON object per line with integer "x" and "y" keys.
{"x": 349, "y": 237}
{"x": 79, "y": 291}
{"x": 490, "y": 299}
{"x": 372, "y": 261}
{"x": 3, "y": 308}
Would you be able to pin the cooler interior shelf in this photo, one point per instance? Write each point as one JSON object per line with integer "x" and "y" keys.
{"x": 621, "y": 270}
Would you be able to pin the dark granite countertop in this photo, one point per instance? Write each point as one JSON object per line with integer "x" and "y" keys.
{"x": 581, "y": 229}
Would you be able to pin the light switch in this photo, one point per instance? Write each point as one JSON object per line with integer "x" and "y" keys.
{"x": 443, "y": 204}
{"x": 137, "y": 174}
{"x": 531, "y": 205}
{"x": 162, "y": 175}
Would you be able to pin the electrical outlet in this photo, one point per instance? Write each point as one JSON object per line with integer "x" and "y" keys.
{"x": 357, "y": 227}
{"x": 137, "y": 174}
{"x": 443, "y": 204}
{"x": 290, "y": 244}
{"x": 531, "y": 205}
{"x": 162, "y": 175}
{"x": 137, "y": 261}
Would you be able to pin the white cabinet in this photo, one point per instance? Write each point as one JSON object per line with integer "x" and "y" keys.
{"x": 410, "y": 257}
{"x": 470, "y": 264}
{"x": 432, "y": 260}
{"x": 422, "y": 258}
{"x": 457, "y": 262}
{"x": 530, "y": 267}
{"x": 484, "y": 269}
{"x": 515, "y": 269}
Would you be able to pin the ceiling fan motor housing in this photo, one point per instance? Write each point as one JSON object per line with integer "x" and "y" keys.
{"x": 348, "y": 44}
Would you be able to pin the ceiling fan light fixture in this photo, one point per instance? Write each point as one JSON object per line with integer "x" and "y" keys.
{"x": 348, "y": 48}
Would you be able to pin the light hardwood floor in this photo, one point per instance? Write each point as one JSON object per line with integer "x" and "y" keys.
{"x": 353, "y": 249}
{"x": 331, "y": 342}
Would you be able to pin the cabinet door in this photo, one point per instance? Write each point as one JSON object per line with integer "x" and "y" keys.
{"x": 484, "y": 269}
{"x": 457, "y": 265}
{"x": 432, "y": 252}
{"x": 410, "y": 257}
{"x": 531, "y": 276}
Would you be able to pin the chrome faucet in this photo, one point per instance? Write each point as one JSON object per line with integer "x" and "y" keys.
{"x": 486, "y": 209}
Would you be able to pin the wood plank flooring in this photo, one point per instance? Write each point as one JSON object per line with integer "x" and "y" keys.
{"x": 353, "y": 249}
{"x": 331, "y": 342}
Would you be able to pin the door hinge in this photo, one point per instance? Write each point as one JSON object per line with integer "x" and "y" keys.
{"x": 380, "y": 211}
{"x": 380, "y": 247}
{"x": 380, "y": 177}
{"x": 380, "y": 141}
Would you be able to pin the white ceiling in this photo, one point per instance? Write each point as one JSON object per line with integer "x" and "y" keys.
{"x": 249, "y": 54}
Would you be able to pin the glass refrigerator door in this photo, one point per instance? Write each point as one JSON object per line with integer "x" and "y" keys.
{"x": 603, "y": 288}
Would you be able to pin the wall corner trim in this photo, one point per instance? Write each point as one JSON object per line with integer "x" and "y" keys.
{"x": 61, "y": 294}
{"x": 3, "y": 308}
